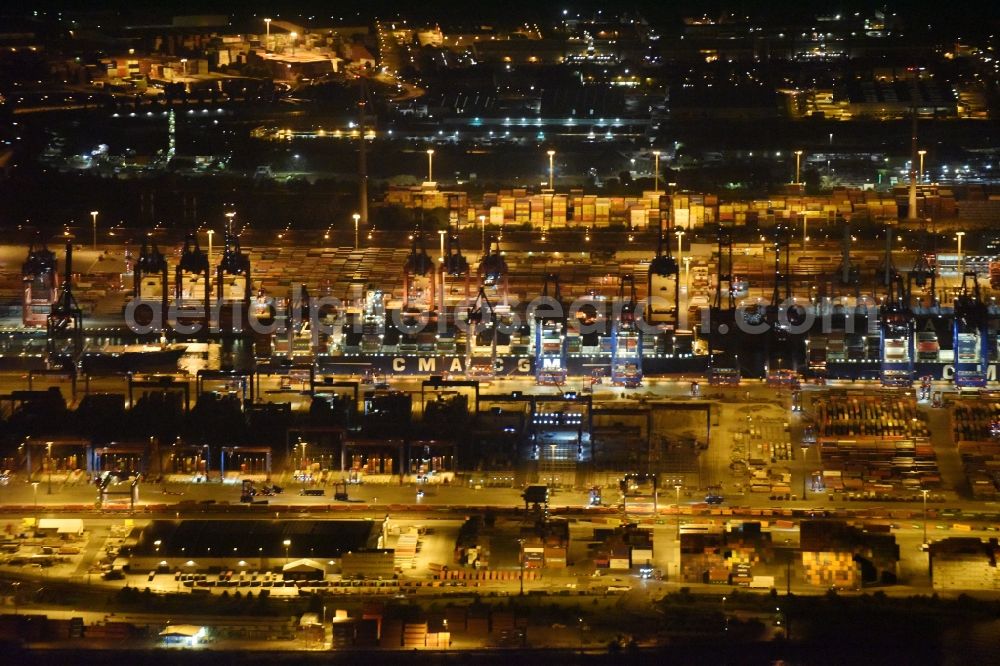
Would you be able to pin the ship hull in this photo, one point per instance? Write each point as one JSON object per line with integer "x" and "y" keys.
{"x": 507, "y": 365}
{"x": 872, "y": 370}
{"x": 164, "y": 360}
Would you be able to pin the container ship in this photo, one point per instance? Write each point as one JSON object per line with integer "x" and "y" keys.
{"x": 458, "y": 320}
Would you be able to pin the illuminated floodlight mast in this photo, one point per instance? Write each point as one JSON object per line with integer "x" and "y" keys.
{"x": 656, "y": 171}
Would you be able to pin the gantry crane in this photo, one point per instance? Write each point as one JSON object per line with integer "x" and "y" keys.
{"x": 896, "y": 324}
{"x": 65, "y": 321}
{"x": 549, "y": 320}
{"x": 193, "y": 285}
{"x": 493, "y": 272}
{"x": 971, "y": 334}
{"x": 662, "y": 269}
{"x": 782, "y": 313}
{"x": 924, "y": 270}
{"x": 626, "y": 337}
{"x": 418, "y": 278}
{"x": 848, "y": 272}
{"x": 482, "y": 326}
{"x": 723, "y": 364}
{"x": 40, "y": 274}
{"x": 233, "y": 284}
{"x": 456, "y": 266}
{"x": 150, "y": 284}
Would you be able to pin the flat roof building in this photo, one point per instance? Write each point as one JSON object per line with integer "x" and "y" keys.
{"x": 965, "y": 563}
{"x": 200, "y": 545}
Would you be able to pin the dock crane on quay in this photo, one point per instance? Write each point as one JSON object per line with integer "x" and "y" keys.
{"x": 971, "y": 324}
{"x": 193, "y": 285}
{"x": 421, "y": 282}
{"x": 65, "y": 322}
{"x": 150, "y": 286}
{"x": 549, "y": 320}
{"x": 663, "y": 277}
{"x": 848, "y": 273}
{"x": 723, "y": 364}
{"x": 626, "y": 337}
{"x": 924, "y": 270}
{"x": 40, "y": 275}
{"x": 234, "y": 285}
{"x": 782, "y": 313}
{"x": 456, "y": 266}
{"x": 493, "y": 273}
{"x": 419, "y": 278}
{"x": 482, "y": 328}
{"x": 896, "y": 324}
{"x": 455, "y": 278}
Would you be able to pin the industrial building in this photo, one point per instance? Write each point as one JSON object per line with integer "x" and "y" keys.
{"x": 965, "y": 563}
{"x": 838, "y": 555}
{"x": 725, "y": 556}
{"x": 256, "y": 545}
{"x": 622, "y": 547}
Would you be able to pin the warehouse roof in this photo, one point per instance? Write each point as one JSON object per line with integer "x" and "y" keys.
{"x": 256, "y": 538}
{"x": 304, "y": 564}
{"x": 62, "y": 525}
{"x": 186, "y": 630}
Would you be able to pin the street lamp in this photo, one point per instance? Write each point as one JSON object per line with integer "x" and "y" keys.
{"x": 805, "y": 472}
{"x": 357, "y": 218}
{"x": 798, "y": 164}
{"x": 680, "y": 235}
{"x": 292, "y": 36}
{"x": 267, "y": 38}
{"x": 677, "y": 490}
{"x": 287, "y": 543}
{"x": 552, "y": 168}
{"x": 924, "y": 493}
{"x": 444, "y": 271}
{"x": 34, "y": 492}
{"x": 430, "y": 165}
{"x": 441, "y": 234}
{"x": 521, "y": 558}
{"x": 921, "y": 153}
{"x": 210, "y": 232}
{"x": 656, "y": 171}
{"x": 482, "y": 224}
{"x": 93, "y": 218}
{"x": 958, "y": 235}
